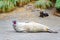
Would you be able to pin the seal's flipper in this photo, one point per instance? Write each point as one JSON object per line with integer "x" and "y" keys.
{"x": 51, "y": 31}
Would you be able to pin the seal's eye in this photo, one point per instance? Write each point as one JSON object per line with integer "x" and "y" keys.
{"x": 14, "y": 22}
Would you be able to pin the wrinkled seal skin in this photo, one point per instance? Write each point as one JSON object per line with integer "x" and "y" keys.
{"x": 31, "y": 27}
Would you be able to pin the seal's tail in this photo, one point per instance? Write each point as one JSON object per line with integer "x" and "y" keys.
{"x": 51, "y": 31}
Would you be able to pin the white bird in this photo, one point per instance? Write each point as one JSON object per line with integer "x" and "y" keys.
{"x": 31, "y": 27}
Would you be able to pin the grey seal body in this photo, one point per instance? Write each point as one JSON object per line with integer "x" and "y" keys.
{"x": 31, "y": 27}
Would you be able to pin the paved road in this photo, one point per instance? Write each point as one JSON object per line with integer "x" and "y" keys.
{"x": 7, "y": 32}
